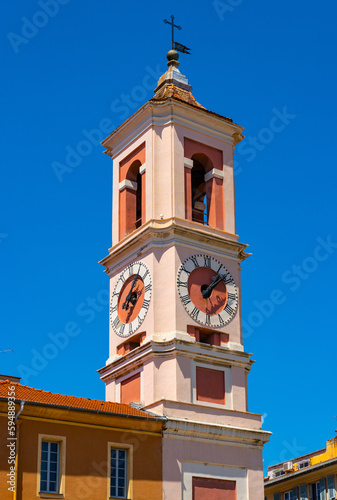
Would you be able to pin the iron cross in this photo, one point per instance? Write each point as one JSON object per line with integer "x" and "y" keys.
{"x": 173, "y": 26}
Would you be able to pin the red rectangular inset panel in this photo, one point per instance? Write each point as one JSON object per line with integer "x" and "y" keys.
{"x": 130, "y": 389}
{"x": 210, "y": 385}
{"x": 205, "y": 488}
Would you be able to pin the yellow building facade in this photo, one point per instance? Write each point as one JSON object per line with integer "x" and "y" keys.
{"x": 309, "y": 477}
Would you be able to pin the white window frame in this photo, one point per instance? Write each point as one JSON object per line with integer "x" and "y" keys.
{"x": 278, "y": 472}
{"x": 302, "y": 464}
{"x": 288, "y": 495}
{"x": 315, "y": 485}
{"x": 128, "y": 448}
{"x": 61, "y": 441}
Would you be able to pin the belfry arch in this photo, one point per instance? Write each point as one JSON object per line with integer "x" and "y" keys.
{"x": 204, "y": 188}
{"x": 132, "y": 193}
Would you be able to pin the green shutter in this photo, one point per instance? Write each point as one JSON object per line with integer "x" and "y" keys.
{"x": 277, "y": 496}
{"x": 331, "y": 487}
{"x": 322, "y": 488}
{"x": 303, "y": 492}
{"x": 295, "y": 493}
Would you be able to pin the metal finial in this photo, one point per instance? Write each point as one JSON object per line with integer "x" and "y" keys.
{"x": 176, "y": 45}
{"x": 172, "y": 26}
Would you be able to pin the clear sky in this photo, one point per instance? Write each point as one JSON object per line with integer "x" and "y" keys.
{"x": 71, "y": 73}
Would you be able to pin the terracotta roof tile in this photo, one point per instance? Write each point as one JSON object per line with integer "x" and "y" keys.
{"x": 176, "y": 93}
{"x": 30, "y": 394}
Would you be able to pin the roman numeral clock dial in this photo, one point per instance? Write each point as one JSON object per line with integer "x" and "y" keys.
{"x": 207, "y": 291}
{"x": 130, "y": 300}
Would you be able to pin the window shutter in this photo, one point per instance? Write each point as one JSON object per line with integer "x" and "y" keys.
{"x": 277, "y": 496}
{"x": 331, "y": 487}
{"x": 322, "y": 488}
{"x": 295, "y": 493}
{"x": 303, "y": 492}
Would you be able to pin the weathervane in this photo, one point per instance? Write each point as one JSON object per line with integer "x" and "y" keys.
{"x": 176, "y": 45}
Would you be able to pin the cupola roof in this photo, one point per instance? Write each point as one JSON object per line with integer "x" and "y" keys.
{"x": 174, "y": 85}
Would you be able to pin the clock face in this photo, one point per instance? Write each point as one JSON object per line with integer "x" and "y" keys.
{"x": 207, "y": 291}
{"x": 130, "y": 300}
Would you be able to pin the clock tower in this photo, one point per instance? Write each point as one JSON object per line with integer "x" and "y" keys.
{"x": 175, "y": 312}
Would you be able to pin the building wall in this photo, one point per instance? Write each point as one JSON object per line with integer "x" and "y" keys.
{"x": 204, "y": 459}
{"x": 86, "y": 459}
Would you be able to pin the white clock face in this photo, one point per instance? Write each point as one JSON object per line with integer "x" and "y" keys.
{"x": 130, "y": 300}
{"x": 207, "y": 291}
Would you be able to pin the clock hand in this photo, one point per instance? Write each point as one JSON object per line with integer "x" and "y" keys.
{"x": 128, "y": 297}
{"x": 207, "y": 292}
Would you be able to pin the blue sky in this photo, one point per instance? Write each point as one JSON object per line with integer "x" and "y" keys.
{"x": 271, "y": 67}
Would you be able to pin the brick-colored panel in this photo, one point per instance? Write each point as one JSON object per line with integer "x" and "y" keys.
{"x": 192, "y": 147}
{"x": 130, "y": 389}
{"x": 210, "y": 385}
{"x": 137, "y": 155}
{"x": 213, "y": 489}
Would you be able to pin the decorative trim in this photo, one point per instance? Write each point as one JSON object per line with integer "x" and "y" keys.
{"x": 212, "y": 471}
{"x": 180, "y": 428}
{"x": 188, "y": 163}
{"x": 142, "y": 168}
{"x": 214, "y": 173}
{"x": 128, "y": 184}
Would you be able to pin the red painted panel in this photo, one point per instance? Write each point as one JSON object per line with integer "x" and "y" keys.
{"x": 127, "y": 212}
{"x": 192, "y": 147}
{"x": 210, "y": 385}
{"x": 213, "y": 489}
{"x": 124, "y": 165}
{"x": 130, "y": 389}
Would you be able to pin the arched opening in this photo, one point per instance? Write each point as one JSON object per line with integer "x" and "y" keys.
{"x": 204, "y": 184}
{"x": 131, "y": 199}
{"x": 200, "y": 194}
{"x": 199, "y": 197}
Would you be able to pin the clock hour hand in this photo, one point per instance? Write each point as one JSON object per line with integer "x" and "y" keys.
{"x": 207, "y": 292}
{"x": 129, "y": 295}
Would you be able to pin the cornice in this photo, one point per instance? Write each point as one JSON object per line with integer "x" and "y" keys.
{"x": 230, "y": 435}
{"x": 167, "y": 113}
{"x": 172, "y": 231}
{"x": 158, "y": 349}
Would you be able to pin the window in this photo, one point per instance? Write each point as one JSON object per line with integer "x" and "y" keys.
{"x": 288, "y": 495}
{"x": 278, "y": 472}
{"x": 50, "y": 467}
{"x": 217, "y": 489}
{"x": 303, "y": 464}
{"x": 130, "y": 389}
{"x": 118, "y": 473}
{"x": 210, "y": 385}
{"x": 315, "y": 491}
